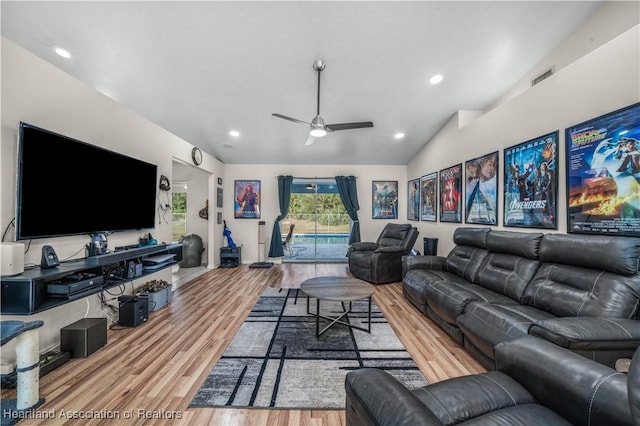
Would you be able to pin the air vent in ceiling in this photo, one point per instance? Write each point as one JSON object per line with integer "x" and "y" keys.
{"x": 548, "y": 73}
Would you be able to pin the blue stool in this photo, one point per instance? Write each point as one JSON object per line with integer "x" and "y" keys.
{"x": 27, "y": 366}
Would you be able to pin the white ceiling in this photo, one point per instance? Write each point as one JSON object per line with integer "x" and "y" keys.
{"x": 200, "y": 69}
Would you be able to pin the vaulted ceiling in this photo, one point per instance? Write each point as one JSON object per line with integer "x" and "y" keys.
{"x": 202, "y": 69}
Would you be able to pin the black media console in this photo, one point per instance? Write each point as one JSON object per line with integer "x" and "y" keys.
{"x": 36, "y": 290}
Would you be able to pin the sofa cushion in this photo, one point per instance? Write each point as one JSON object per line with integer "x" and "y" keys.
{"x": 570, "y": 291}
{"x": 465, "y": 261}
{"x": 507, "y": 274}
{"x": 393, "y": 234}
{"x": 474, "y": 237}
{"x": 452, "y": 330}
{"x": 612, "y": 254}
{"x": 416, "y": 281}
{"x": 448, "y": 299}
{"x": 486, "y": 324}
{"x": 524, "y": 244}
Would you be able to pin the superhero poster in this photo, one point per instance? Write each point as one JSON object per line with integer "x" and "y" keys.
{"x": 481, "y": 190}
{"x": 531, "y": 184}
{"x": 450, "y": 194}
{"x": 384, "y": 199}
{"x": 429, "y": 197}
{"x": 603, "y": 174}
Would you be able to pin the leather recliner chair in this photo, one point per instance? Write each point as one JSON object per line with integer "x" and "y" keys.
{"x": 535, "y": 383}
{"x": 381, "y": 262}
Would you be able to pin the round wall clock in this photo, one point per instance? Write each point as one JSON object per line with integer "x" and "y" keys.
{"x": 196, "y": 156}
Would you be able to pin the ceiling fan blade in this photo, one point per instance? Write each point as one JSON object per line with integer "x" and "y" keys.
{"x": 309, "y": 140}
{"x": 347, "y": 126}
{"x": 295, "y": 120}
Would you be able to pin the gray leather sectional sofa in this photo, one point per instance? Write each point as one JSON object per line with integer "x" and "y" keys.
{"x": 581, "y": 292}
{"x": 535, "y": 383}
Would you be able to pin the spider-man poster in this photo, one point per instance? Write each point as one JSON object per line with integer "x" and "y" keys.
{"x": 450, "y": 190}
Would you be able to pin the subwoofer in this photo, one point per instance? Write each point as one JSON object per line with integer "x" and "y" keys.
{"x": 84, "y": 337}
{"x": 133, "y": 311}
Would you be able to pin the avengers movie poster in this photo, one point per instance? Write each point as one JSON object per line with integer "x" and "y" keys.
{"x": 481, "y": 190}
{"x": 429, "y": 197}
{"x": 413, "y": 200}
{"x": 450, "y": 194}
{"x": 603, "y": 174}
{"x": 531, "y": 183}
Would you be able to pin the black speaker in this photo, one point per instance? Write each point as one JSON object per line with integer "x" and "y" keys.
{"x": 84, "y": 337}
{"x": 49, "y": 258}
{"x": 131, "y": 269}
{"x": 133, "y": 311}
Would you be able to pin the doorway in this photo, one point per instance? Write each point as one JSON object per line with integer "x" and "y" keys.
{"x": 317, "y": 226}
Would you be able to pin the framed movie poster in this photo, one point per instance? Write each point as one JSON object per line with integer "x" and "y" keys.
{"x": 247, "y": 199}
{"x": 428, "y": 197}
{"x": 413, "y": 200}
{"x": 384, "y": 199}
{"x": 603, "y": 174}
{"x": 481, "y": 190}
{"x": 531, "y": 184}
{"x": 219, "y": 197}
{"x": 450, "y": 192}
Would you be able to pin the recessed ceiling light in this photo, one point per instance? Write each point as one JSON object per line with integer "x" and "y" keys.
{"x": 234, "y": 133}
{"x": 62, "y": 52}
{"x": 436, "y": 79}
{"x": 399, "y": 135}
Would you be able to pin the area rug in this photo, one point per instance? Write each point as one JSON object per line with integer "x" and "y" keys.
{"x": 276, "y": 361}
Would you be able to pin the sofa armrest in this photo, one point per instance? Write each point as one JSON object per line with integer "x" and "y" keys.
{"x": 363, "y": 246}
{"x": 604, "y": 340}
{"x": 390, "y": 249}
{"x": 580, "y": 390}
{"x": 423, "y": 262}
{"x": 375, "y": 397}
{"x": 589, "y": 333}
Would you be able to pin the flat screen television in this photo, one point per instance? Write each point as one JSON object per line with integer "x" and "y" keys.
{"x": 69, "y": 187}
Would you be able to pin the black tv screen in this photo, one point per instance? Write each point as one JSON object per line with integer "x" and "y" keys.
{"x": 69, "y": 187}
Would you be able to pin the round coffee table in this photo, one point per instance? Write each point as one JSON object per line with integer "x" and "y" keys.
{"x": 338, "y": 289}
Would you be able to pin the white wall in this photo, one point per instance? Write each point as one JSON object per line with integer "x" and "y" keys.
{"x": 602, "y": 81}
{"x": 245, "y": 231}
{"x": 610, "y": 20}
{"x": 36, "y": 92}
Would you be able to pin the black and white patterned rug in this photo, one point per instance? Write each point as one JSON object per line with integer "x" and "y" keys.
{"x": 276, "y": 361}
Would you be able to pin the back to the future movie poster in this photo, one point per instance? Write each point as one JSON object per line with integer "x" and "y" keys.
{"x": 603, "y": 163}
{"x": 530, "y": 183}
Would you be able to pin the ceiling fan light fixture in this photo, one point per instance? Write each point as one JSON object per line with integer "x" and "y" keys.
{"x": 318, "y": 128}
{"x": 318, "y": 132}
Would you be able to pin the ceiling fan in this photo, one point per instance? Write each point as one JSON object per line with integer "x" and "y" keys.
{"x": 317, "y": 127}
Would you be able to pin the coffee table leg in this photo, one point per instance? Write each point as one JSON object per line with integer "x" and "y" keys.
{"x": 369, "y": 314}
{"x": 318, "y": 317}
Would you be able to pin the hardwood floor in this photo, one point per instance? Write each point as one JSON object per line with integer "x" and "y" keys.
{"x": 152, "y": 371}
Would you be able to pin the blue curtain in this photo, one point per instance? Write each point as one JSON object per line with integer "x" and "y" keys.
{"x": 349, "y": 196}
{"x": 284, "y": 198}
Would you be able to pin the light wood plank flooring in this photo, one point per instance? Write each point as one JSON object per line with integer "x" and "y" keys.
{"x": 155, "y": 369}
